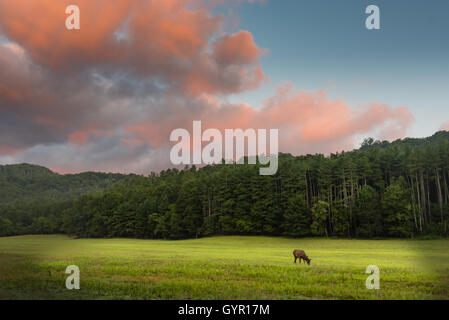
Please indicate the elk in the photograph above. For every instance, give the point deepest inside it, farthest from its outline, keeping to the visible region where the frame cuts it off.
(300, 254)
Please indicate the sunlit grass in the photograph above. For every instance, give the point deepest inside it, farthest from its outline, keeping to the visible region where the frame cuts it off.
(222, 268)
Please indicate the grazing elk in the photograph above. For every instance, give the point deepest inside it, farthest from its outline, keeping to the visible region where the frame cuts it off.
(300, 254)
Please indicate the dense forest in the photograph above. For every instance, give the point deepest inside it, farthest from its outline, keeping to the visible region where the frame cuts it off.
(383, 189)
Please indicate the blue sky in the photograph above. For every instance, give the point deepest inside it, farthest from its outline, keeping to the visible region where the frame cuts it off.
(324, 44)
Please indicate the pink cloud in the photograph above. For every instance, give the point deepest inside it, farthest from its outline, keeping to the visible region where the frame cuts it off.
(81, 137)
(163, 39)
(10, 150)
(238, 48)
(309, 122)
(445, 126)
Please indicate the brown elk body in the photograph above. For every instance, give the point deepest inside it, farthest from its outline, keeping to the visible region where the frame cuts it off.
(301, 255)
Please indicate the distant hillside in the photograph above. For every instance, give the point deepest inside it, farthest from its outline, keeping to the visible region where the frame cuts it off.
(21, 183)
(24, 171)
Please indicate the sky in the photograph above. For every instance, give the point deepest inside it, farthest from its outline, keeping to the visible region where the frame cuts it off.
(323, 44)
(107, 96)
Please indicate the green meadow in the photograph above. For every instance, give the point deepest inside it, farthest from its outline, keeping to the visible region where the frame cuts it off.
(231, 267)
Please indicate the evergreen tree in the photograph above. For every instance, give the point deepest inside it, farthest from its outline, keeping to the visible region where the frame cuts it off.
(297, 217)
(397, 210)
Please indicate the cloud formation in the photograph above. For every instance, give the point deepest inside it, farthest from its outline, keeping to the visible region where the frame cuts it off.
(445, 126)
(308, 122)
(107, 96)
(162, 40)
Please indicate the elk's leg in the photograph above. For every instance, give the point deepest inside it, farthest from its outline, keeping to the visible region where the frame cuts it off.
(295, 259)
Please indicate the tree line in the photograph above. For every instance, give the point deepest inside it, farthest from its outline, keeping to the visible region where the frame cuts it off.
(383, 189)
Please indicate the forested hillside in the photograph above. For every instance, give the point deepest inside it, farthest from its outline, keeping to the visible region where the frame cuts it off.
(23, 182)
(29, 195)
(398, 189)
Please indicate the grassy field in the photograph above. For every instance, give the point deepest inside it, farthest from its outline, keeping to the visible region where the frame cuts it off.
(33, 267)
